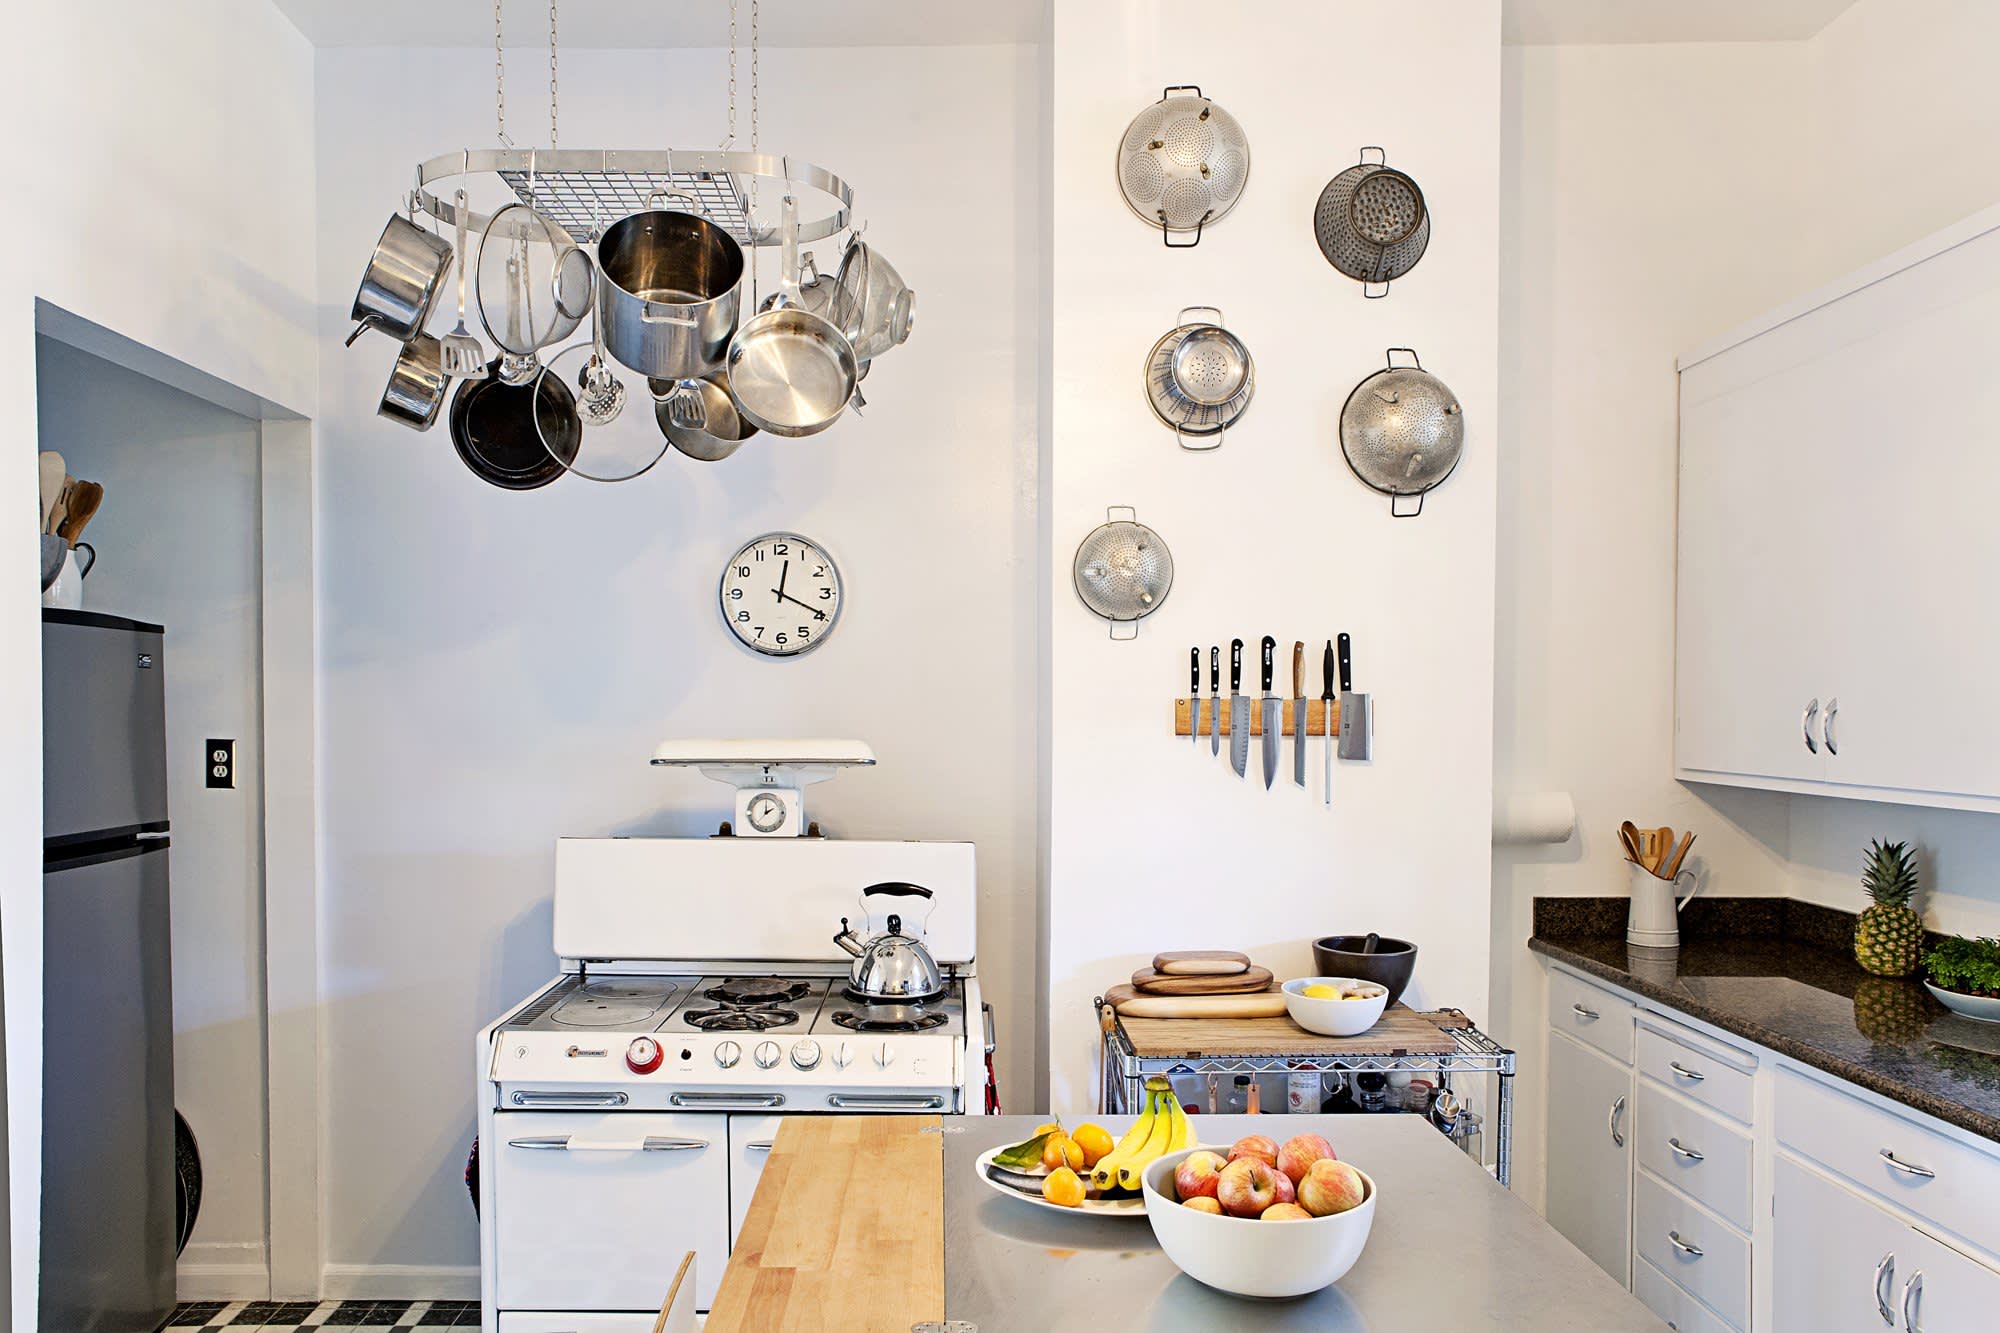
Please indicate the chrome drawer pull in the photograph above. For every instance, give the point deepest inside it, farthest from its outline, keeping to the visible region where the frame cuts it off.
(1587, 1015)
(761, 1145)
(728, 1101)
(1907, 1168)
(565, 1143)
(570, 1099)
(889, 1102)
(1885, 1276)
(1913, 1290)
(1688, 1074)
(1617, 1109)
(1687, 1153)
(1691, 1251)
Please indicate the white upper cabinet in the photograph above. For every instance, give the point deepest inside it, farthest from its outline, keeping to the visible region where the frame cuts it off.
(1839, 543)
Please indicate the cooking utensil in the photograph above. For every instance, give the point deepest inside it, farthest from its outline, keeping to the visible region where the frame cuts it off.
(1391, 963)
(1214, 701)
(460, 355)
(1356, 734)
(533, 284)
(1153, 982)
(1299, 727)
(1131, 1002)
(1239, 712)
(1661, 848)
(1182, 164)
(669, 291)
(1273, 714)
(1402, 431)
(401, 282)
(59, 512)
(723, 428)
(597, 440)
(1635, 850)
(416, 385)
(1372, 223)
(1672, 869)
(50, 471)
(891, 966)
(498, 429)
(1201, 963)
(1327, 701)
(1216, 359)
(886, 308)
(1194, 695)
(82, 501)
(791, 372)
(1123, 571)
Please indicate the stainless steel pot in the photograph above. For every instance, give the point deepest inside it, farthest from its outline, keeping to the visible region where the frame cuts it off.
(722, 431)
(892, 967)
(401, 282)
(669, 293)
(416, 384)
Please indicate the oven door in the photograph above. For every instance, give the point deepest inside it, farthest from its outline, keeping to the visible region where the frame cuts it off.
(593, 1210)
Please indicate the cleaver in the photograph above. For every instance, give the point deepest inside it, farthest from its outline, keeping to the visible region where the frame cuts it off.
(1356, 727)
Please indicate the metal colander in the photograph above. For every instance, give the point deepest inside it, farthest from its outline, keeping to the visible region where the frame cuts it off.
(1402, 431)
(1210, 364)
(1372, 223)
(1123, 571)
(1183, 163)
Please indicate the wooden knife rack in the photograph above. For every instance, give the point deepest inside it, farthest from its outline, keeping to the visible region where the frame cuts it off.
(1200, 717)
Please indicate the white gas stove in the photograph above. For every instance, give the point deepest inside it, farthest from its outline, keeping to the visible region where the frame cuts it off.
(625, 1108)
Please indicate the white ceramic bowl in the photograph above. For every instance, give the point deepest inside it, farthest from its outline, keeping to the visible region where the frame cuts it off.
(1972, 1006)
(1334, 1018)
(1248, 1256)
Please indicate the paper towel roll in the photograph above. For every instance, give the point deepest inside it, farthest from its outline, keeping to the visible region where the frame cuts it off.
(1530, 817)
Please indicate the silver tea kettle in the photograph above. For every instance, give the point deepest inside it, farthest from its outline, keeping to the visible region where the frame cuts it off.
(891, 968)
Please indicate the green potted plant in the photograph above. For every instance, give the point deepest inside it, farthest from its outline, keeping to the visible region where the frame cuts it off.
(1889, 937)
(1965, 976)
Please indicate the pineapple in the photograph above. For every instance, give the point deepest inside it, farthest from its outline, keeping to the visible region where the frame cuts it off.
(1889, 936)
(1895, 1013)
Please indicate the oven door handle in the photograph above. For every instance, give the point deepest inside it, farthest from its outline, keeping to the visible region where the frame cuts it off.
(728, 1101)
(760, 1145)
(570, 1099)
(887, 1102)
(567, 1143)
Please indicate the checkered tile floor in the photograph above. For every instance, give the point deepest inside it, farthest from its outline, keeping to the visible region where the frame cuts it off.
(325, 1317)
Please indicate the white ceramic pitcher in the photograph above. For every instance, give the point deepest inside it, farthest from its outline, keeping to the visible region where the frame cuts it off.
(1654, 919)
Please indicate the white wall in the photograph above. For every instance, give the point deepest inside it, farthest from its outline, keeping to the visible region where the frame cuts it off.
(1155, 846)
(162, 158)
(177, 542)
(497, 667)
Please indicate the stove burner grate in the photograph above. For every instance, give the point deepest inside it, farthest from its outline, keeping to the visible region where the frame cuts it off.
(891, 1021)
(757, 990)
(740, 1020)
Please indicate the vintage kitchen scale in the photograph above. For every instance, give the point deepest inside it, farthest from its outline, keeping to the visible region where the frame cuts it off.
(770, 777)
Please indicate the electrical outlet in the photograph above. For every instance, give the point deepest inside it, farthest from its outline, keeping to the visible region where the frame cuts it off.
(220, 758)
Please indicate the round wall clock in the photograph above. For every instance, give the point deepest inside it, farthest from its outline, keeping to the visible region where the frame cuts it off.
(780, 595)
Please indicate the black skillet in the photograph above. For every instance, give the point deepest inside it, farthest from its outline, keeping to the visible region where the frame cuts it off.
(494, 433)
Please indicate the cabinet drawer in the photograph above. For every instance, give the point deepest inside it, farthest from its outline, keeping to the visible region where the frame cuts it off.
(554, 1321)
(1698, 1068)
(1703, 1256)
(1591, 1014)
(1698, 1153)
(1948, 1183)
(1669, 1302)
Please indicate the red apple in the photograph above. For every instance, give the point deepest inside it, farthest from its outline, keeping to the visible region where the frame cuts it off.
(1331, 1187)
(1205, 1204)
(1195, 1177)
(1286, 1212)
(1287, 1192)
(1246, 1187)
(1260, 1146)
(1301, 1151)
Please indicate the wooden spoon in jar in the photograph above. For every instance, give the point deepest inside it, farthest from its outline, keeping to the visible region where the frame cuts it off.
(84, 497)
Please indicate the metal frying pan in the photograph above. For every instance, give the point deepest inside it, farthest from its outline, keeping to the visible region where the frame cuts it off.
(499, 429)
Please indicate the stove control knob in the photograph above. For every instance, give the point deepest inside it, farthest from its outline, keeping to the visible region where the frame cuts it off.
(727, 1053)
(767, 1054)
(644, 1055)
(885, 1057)
(843, 1056)
(805, 1054)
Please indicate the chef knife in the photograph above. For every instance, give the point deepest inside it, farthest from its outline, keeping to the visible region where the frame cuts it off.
(1299, 727)
(1327, 702)
(1274, 715)
(1353, 709)
(1215, 701)
(1239, 711)
(1194, 696)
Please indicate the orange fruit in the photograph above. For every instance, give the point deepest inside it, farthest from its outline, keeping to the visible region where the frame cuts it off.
(1063, 1187)
(1095, 1140)
(1062, 1151)
(1047, 1127)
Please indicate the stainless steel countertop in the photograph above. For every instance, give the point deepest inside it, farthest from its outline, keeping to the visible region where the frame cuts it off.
(1450, 1249)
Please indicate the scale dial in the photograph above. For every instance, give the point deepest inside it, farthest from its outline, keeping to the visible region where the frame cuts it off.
(780, 595)
(766, 812)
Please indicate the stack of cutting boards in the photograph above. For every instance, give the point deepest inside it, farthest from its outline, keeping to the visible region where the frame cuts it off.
(1199, 983)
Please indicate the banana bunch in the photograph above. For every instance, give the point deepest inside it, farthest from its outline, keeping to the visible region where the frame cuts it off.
(1162, 1128)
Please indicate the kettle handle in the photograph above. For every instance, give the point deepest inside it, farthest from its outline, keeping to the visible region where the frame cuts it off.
(897, 889)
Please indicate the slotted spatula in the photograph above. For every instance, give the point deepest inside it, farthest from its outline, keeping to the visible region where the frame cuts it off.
(460, 355)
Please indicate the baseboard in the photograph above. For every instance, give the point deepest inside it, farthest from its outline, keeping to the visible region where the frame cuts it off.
(398, 1282)
(222, 1272)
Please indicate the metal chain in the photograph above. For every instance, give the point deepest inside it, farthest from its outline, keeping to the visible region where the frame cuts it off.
(499, 78)
(730, 141)
(753, 75)
(552, 73)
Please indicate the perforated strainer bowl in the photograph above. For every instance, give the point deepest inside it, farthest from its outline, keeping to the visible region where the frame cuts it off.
(1183, 163)
(1199, 378)
(1402, 431)
(1372, 223)
(1123, 571)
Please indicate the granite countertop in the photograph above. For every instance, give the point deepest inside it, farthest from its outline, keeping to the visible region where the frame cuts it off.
(1782, 974)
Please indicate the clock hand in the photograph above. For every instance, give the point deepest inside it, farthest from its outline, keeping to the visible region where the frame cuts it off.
(783, 571)
(817, 613)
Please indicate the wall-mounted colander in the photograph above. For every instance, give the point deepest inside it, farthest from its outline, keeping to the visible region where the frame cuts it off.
(1372, 223)
(1199, 378)
(1182, 164)
(1402, 431)
(1123, 571)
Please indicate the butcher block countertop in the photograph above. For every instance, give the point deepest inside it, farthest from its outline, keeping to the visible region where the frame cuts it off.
(845, 1232)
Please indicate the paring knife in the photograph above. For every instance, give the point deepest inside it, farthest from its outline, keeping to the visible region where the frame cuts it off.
(1299, 727)
(1239, 712)
(1354, 738)
(1327, 701)
(1215, 701)
(1274, 714)
(1194, 696)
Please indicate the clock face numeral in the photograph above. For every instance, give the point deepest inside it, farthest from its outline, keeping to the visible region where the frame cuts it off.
(789, 579)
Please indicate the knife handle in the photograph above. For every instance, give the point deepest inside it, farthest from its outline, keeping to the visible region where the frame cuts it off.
(1215, 671)
(1346, 665)
(1270, 660)
(1298, 668)
(1236, 666)
(1326, 672)
(1194, 671)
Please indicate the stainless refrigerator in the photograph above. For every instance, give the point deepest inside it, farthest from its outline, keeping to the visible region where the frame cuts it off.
(108, 1228)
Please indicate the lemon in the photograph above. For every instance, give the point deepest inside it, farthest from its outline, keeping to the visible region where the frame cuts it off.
(1321, 991)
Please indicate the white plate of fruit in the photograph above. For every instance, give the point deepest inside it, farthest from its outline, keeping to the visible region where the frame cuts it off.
(1085, 1171)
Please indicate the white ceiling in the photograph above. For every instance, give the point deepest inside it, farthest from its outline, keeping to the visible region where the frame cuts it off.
(653, 24)
(1584, 22)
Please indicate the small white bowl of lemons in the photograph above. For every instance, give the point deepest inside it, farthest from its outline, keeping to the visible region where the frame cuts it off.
(1335, 1006)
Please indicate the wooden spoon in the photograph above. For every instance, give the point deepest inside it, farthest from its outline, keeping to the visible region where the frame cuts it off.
(1629, 835)
(1673, 869)
(52, 470)
(82, 501)
(1663, 847)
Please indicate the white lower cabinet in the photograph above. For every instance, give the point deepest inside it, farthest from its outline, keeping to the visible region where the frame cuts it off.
(1590, 1153)
(1704, 1256)
(1681, 1311)
(539, 1321)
